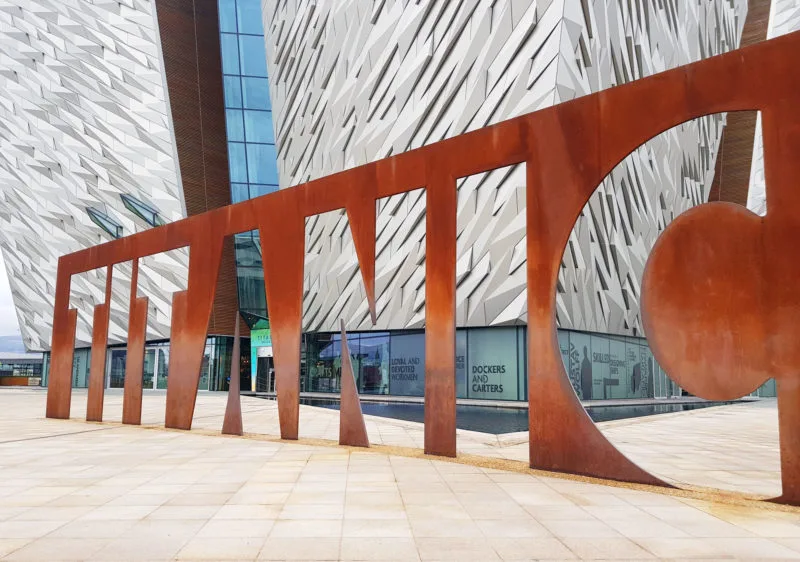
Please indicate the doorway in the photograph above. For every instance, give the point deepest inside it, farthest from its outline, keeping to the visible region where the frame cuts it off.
(265, 375)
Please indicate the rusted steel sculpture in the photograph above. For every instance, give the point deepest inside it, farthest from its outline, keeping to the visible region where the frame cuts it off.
(97, 369)
(134, 360)
(232, 424)
(568, 149)
(352, 430)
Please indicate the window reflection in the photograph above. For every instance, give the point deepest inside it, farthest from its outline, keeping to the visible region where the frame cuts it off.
(258, 126)
(237, 162)
(227, 16)
(255, 93)
(261, 166)
(230, 53)
(252, 56)
(249, 19)
(234, 126)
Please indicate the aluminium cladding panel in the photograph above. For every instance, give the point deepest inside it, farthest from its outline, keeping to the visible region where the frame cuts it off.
(84, 118)
(784, 18)
(355, 81)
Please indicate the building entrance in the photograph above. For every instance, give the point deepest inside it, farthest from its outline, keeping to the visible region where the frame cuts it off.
(265, 375)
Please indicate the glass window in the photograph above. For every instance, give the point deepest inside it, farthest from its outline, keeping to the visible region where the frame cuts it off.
(251, 289)
(255, 93)
(247, 252)
(233, 91)
(230, 54)
(617, 385)
(227, 16)
(144, 211)
(105, 222)
(233, 121)
(371, 362)
(252, 55)
(407, 371)
(206, 367)
(250, 17)
(461, 363)
(239, 192)
(567, 351)
(116, 368)
(258, 126)
(262, 164)
(163, 366)
(639, 366)
(257, 190)
(81, 360)
(580, 356)
(237, 162)
(492, 364)
(324, 361)
(601, 375)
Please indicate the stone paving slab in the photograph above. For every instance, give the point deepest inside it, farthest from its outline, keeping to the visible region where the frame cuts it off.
(76, 491)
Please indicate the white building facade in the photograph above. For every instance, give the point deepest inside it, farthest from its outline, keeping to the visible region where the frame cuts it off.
(356, 81)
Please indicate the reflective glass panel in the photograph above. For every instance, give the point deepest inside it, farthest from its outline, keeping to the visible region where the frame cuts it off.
(81, 359)
(257, 190)
(230, 54)
(371, 362)
(149, 369)
(262, 163)
(239, 192)
(324, 361)
(237, 162)
(233, 91)
(258, 126)
(407, 365)
(163, 367)
(205, 368)
(255, 93)
(250, 17)
(461, 364)
(580, 360)
(227, 16)
(235, 128)
(116, 367)
(252, 55)
(601, 375)
(492, 364)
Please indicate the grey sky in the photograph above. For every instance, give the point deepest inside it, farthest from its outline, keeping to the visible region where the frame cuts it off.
(8, 316)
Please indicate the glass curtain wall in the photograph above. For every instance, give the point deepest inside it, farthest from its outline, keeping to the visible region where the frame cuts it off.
(251, 138)
(491, 364)
(213, 369)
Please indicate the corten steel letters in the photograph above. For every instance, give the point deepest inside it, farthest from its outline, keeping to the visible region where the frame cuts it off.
(721, 316)
(352, 430)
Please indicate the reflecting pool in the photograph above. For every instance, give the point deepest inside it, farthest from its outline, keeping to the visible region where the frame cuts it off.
(497, 420)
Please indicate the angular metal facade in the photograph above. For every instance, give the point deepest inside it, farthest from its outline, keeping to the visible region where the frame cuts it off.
(356, 81)
(84, 119)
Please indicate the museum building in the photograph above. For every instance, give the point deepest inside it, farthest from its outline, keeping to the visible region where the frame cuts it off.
(119, 117)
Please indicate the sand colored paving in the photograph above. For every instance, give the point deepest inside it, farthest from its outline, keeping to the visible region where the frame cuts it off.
(76, 491)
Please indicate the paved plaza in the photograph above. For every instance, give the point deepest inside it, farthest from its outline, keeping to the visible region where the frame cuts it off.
(71, 490)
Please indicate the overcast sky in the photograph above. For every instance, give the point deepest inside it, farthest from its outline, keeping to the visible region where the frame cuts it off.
(8, 316)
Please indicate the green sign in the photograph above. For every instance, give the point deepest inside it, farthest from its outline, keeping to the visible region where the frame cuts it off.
(258, 339)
